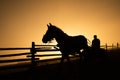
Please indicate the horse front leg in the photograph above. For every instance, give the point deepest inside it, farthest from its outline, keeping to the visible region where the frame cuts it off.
(62, 59)
(65, 56)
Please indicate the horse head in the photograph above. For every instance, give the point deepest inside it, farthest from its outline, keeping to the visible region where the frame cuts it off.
(49, 35)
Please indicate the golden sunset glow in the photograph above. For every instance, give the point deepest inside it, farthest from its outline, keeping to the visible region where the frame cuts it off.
(24, 21)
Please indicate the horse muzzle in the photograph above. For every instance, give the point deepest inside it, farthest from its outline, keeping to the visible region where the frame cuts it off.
(44, 41)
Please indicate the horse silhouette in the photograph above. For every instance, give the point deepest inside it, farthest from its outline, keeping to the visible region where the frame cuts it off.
(67, 44)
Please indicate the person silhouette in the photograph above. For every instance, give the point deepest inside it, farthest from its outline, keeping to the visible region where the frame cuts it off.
(98, 54)
(95, 43)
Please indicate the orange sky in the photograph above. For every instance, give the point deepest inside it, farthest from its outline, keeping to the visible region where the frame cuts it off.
(24, 21)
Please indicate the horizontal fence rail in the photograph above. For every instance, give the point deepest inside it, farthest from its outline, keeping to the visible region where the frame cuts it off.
(11, 55)
(46, 45)
(15, 48)
(38, 50)
(45, 55)
(16, 60)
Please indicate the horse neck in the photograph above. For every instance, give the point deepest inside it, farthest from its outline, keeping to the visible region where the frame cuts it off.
(61, 38)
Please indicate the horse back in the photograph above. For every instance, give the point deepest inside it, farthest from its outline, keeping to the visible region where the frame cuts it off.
(76, 42)
(79, 40)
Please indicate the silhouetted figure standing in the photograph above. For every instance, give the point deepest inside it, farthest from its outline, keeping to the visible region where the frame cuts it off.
(95, 43)
(95, 55)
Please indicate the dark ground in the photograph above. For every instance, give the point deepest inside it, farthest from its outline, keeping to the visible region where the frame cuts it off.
(67, 71)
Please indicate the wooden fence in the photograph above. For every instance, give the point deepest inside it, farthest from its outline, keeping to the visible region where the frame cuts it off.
(110, 47)
(31, 56)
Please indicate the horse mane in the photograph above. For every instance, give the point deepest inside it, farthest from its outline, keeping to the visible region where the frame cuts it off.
(58, 30)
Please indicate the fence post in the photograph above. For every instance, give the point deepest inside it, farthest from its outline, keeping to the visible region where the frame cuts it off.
(117, 45)
(33, 51)
(106, 46)
(112, 46)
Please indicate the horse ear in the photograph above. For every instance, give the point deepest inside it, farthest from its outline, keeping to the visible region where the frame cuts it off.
(50, 24)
